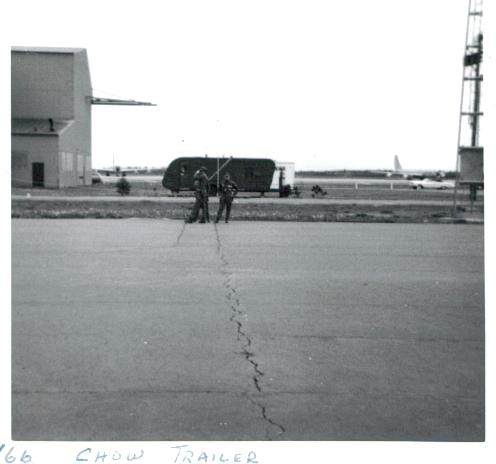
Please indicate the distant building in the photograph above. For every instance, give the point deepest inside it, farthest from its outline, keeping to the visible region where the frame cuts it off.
(51, 117)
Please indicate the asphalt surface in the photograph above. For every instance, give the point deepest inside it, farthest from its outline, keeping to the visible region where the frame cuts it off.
(155, 330)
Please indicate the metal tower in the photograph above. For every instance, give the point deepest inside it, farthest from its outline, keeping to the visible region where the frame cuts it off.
(469, 153)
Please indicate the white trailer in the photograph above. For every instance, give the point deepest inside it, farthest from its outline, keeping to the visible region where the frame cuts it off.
(287, 171)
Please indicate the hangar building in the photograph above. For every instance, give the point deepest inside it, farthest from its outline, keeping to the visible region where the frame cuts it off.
(51, 117)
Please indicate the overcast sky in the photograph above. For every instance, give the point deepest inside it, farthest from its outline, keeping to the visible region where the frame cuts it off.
(325, 84)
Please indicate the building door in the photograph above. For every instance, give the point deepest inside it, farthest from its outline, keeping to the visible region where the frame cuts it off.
(38, 174)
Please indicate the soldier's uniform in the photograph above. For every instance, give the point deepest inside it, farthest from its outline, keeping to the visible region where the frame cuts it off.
(228, 190)
(200, 182)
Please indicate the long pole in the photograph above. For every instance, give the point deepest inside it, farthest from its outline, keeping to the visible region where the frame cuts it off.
(455, 193)
(475, 121)
(217, 174)
(219, 169)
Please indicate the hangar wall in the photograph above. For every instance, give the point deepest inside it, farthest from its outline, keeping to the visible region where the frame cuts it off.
(27, 150)
(81, 136)
(42, 85)
(74, 163)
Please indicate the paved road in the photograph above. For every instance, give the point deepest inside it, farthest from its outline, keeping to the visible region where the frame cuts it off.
(153, 330)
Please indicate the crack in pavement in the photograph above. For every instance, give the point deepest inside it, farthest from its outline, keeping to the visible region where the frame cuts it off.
(242, 336)
(183, 228)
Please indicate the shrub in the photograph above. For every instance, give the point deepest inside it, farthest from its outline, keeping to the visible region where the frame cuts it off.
(123, 186)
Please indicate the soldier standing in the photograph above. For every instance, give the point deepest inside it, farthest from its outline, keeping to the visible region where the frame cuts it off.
(228, 190)
(200, 182)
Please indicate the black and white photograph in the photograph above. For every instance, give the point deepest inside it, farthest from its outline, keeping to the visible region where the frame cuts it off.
(239, 229)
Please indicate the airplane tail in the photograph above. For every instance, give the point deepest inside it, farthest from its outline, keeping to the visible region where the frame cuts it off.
(397, 165)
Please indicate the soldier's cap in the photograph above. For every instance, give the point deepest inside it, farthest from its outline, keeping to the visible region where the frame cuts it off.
(203, 168)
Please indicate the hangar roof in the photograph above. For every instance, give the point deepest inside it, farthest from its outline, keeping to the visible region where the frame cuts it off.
(63, 50)
(38, 126)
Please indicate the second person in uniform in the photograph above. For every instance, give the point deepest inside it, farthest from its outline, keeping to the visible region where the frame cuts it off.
(228, 190)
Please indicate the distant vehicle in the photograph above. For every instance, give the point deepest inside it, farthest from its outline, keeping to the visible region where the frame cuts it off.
(437, 184)
(105, 176)
(250, 174)
(112, 175)
(96, 178)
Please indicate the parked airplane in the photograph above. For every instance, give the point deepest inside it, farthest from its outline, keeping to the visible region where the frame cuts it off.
(413, 174)
(117, 171)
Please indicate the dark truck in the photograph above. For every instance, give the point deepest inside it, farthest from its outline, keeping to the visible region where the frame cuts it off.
(250, 174)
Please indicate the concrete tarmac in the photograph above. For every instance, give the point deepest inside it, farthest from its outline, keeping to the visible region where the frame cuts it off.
(156, 330)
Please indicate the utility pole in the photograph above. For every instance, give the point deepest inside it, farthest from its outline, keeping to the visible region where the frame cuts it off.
(477, 78)
(469, 153)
